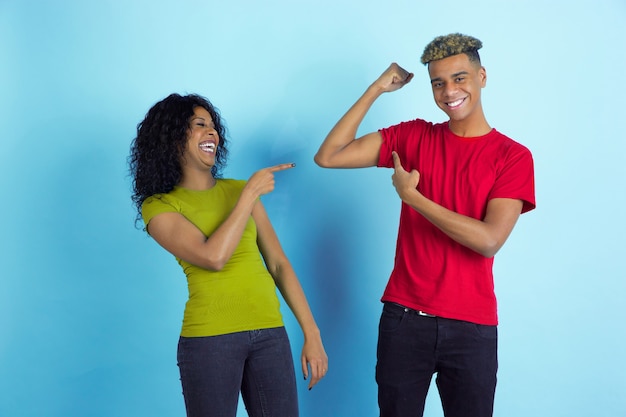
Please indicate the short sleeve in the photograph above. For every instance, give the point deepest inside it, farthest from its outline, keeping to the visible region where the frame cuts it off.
(387, 146)
(157, 204)
(402, 138)
(516, 179)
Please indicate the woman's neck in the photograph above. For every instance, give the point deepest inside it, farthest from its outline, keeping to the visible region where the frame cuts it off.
(197, 182)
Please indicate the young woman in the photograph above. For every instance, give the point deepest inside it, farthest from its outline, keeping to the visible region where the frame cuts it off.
(232, 339)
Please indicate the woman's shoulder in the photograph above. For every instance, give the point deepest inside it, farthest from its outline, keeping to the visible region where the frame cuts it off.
(232, 182)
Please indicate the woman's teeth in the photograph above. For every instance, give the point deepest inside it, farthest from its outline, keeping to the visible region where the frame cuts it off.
(207, 147)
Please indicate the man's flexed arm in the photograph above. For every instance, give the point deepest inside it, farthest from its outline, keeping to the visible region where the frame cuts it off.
(484, 236)
(341, 149)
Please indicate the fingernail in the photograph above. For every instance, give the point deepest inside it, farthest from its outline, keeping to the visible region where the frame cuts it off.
(293, 164)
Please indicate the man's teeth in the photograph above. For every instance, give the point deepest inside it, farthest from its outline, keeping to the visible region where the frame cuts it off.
(455, 103)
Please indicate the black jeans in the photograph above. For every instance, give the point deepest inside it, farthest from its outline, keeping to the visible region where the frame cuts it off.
(257, 363)
(411, 348)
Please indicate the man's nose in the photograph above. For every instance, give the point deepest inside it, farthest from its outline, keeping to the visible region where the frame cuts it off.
(450, 89)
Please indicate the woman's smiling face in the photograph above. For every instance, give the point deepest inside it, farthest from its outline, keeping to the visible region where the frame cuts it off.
(202, 141)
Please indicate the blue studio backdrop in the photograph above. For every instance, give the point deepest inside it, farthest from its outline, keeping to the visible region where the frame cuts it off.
(90, 307)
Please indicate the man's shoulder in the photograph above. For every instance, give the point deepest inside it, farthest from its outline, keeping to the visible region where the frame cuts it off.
(415, 125)
(417, 122)
(508, 142)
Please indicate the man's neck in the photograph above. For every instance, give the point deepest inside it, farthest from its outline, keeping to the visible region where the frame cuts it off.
(469, 128)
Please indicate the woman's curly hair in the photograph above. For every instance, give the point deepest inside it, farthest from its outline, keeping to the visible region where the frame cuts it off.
(156, 151)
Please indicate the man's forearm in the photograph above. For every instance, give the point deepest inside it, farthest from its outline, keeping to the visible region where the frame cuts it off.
(483, 236)
(344, 132)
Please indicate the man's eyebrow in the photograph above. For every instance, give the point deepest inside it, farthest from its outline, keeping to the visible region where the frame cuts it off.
(456, 74)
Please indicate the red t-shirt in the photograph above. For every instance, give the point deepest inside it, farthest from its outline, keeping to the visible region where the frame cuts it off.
(432, 272)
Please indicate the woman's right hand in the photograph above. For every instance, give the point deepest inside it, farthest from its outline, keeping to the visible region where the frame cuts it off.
(262, 182)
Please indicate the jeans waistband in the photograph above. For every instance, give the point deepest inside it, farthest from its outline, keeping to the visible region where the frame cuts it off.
(411, 310)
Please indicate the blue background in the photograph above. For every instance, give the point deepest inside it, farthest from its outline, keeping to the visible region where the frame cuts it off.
(90, 307)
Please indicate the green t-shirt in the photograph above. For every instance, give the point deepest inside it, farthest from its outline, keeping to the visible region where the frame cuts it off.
(242, 296)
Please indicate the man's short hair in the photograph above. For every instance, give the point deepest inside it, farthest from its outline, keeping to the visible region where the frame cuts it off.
(453, 44)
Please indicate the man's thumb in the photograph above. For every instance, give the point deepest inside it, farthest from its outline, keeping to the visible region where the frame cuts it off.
(396, 160)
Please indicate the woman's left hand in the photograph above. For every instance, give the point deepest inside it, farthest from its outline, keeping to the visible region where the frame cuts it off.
(314, 361)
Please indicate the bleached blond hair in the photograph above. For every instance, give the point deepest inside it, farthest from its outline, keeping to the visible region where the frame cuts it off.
(453, 44)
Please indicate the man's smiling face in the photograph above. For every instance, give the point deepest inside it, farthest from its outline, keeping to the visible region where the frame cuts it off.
(457, 82)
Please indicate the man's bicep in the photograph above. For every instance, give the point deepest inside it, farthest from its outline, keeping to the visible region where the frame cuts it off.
(360, 153)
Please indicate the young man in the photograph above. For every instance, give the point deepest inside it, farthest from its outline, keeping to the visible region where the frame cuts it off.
(463, 186)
